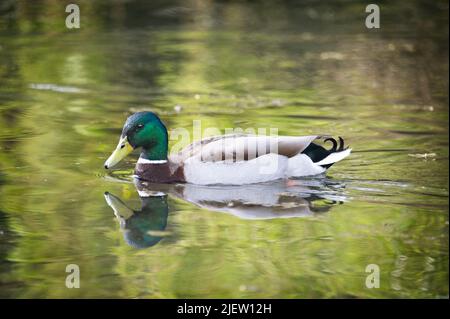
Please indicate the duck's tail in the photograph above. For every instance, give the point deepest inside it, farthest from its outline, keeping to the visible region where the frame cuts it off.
(325, 158)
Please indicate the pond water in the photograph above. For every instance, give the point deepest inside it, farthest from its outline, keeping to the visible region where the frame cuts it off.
(304, 69)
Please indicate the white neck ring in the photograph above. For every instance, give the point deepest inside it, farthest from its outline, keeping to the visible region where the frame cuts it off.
(147, 161)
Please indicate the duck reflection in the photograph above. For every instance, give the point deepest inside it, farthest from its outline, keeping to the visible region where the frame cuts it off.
(141, 228)
(282, 199)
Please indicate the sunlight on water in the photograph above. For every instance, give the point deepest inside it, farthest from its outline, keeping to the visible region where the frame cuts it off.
(64, 96)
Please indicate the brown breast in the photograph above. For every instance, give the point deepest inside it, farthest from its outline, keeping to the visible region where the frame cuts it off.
(160, 173)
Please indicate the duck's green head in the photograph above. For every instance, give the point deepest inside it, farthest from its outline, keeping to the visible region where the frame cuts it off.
(141, 130)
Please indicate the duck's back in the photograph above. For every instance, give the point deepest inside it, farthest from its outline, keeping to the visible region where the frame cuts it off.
(245, 159)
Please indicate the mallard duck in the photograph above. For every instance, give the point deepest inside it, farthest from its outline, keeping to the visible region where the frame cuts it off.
(233, 159)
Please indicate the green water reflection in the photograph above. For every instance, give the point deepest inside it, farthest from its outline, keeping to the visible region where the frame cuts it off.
(304, 68)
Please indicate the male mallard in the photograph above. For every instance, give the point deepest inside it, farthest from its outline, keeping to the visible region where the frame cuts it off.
(234, 159)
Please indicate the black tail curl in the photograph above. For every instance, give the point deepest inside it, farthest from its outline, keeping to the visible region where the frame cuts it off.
(317, 153)
(335, 147)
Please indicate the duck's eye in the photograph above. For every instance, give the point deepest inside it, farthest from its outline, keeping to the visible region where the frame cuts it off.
(139, 127)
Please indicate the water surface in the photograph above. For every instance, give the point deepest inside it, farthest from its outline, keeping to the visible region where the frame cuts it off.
(304, 69)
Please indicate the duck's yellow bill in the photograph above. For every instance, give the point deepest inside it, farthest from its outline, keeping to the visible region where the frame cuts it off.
(122, 150)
